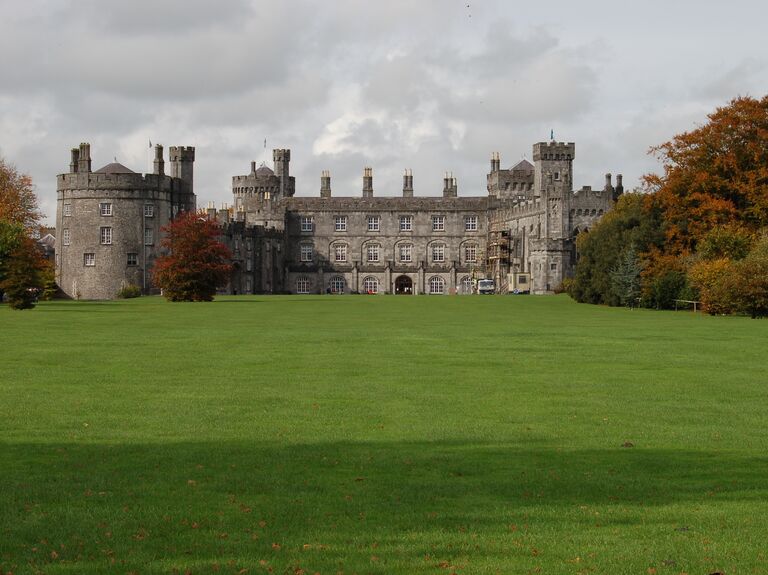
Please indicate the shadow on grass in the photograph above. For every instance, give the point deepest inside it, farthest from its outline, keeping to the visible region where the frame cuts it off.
(328, 505)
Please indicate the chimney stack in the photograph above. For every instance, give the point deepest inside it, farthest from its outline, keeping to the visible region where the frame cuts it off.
(368, 182)
(408, 184)
(325, 184)
(159, 163)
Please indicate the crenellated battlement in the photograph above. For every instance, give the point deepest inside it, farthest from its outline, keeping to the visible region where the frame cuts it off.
(554, 151)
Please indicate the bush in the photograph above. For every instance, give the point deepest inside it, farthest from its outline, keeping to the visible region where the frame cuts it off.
(717, 284)
(129, 291)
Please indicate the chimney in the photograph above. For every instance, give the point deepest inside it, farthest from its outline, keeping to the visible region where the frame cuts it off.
(619, 187)
(253, 167)
(325, 184)
(368, 182)
(159, 163)
(84, 159)
(408, 184)
(449, 186)
(608, 184)
(495, 162)
(74, 161)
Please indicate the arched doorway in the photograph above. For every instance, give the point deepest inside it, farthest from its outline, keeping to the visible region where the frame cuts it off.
(403, 285)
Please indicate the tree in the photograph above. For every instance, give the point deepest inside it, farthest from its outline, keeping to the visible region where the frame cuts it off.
(630, 222)
(18, 203)
(751, 280)
(197, 262)
(625, 277)
(19, 217)
(716, 175)
(23, 280)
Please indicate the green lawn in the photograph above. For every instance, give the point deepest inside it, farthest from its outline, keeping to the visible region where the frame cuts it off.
(354, 434)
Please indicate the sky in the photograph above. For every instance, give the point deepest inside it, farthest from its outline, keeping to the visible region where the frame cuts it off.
(429, 85)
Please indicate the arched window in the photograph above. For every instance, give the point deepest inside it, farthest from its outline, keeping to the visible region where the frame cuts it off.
(370, 285)
(302, 284)
(336, 284)
(466, 285)
(436, 285)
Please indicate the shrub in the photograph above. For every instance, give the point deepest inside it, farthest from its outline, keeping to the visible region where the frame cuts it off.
(129, 291)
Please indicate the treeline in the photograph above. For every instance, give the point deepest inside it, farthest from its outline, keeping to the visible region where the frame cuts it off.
(697, 232)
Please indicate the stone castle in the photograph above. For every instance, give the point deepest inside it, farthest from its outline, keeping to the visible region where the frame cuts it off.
(521, 234)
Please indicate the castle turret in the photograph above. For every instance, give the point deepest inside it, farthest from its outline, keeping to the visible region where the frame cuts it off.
(408, 184)
(325, 184)
(368, 182)
(282, 160)
(608, 184)
(159, 162)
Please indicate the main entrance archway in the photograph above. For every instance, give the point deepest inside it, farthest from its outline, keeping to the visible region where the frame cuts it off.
(403, 285)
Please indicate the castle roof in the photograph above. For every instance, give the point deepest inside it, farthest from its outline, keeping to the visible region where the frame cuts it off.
(264, 171)
(114, 168)
(523, 165)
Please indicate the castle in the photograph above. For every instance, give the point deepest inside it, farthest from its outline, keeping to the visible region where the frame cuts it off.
(521, 234)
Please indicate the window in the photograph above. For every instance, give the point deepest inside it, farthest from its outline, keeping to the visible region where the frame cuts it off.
(522, 279)
(436, 285)
(306, 223)
(374, 223)
(306, 252)
(405, 252)
(340, 223)
(65, 237)
(370, 285)
(248, 285)
(106, 236)
(438, 253)
(248, 264)
(302, 284)
(105, 208)
(557, 176)
(340, 252)
(470, 253)
(149, 237)
(466, 285)
(133, 259)
(372, 253)
(470, 223)
(89, 259)
(67, 209)
(336, 284)
(438, 223)
(248, 244)
(406, 223)
(553, 267)
(149, 210)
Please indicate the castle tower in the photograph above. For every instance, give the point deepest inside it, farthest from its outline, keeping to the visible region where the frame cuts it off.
(282, 161)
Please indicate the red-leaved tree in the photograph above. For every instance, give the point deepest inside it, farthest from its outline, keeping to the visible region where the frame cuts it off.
(197, 262)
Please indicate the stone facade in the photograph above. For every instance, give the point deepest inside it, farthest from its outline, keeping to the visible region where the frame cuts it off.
(108, 221)
(521, 234)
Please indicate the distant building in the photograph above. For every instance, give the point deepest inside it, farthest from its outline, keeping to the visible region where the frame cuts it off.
(521, 234)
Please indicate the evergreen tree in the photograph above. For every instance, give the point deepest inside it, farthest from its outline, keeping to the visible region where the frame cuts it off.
(625, 277)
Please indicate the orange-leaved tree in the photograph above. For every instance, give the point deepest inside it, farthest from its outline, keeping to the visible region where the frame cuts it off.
(714, 176)
(196, 263)
(20, 261)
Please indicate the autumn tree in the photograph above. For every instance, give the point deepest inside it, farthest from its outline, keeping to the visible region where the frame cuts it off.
(715, 175)
(196, 263)
(19, 217)
(751, 280)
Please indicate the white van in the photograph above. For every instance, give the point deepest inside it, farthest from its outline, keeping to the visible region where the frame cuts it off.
(486, 287)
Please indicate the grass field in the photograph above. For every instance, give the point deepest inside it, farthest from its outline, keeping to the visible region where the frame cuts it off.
(319, 434)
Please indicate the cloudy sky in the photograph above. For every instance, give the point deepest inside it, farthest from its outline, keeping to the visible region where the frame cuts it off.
(431, 85)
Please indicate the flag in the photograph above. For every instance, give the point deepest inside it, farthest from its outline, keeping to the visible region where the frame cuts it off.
(265, 143)
(150, 143)
(551, 134)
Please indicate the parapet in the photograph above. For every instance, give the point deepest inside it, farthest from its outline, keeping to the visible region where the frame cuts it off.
(554, 151)
(181, 153)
